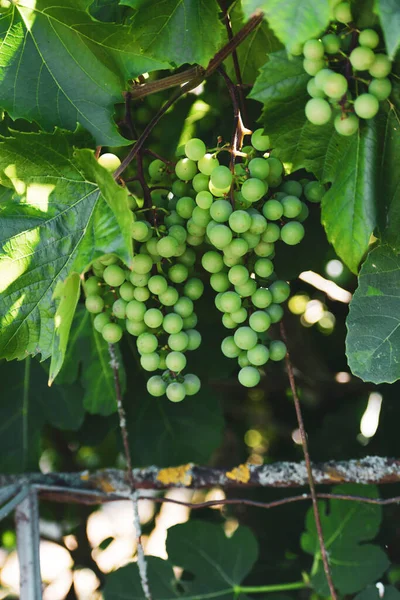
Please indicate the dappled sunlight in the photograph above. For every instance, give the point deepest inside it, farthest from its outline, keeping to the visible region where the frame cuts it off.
(11, 172)
(370, 419)
(37, 195)
(17, 256)
(331, 289)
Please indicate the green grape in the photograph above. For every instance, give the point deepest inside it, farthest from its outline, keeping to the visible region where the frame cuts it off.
(220, 282)
(230, 302)
(238, 247)
(247, 289)
(169, 297)
(157, 169)
(362, 58)
(313, 90)
(380, 88)
(195, 149)
(220, 211)
(280, 291)
(239, 221)
(172, 323)
(260, 141)
(331, 43)
(258, 355)
(141, 293)
(92, 286)
(135, 327)
(194, 339)
(184, 307)
(342, 13)
(272, 210)
(366, 106)
(180, 188)
(313, 66)
(135, 310)
(147, 343)
(114, 276)
(100, 320)
(314, 191)
(228, 322)
(322, 77)
(207, 164)
(159, 198)
(140, 231)
(194, 240)
(119, 308)
(229, 348)
(190, 322)
(243, 361)
(239, 316)
(201, 217)
(259, 168)
(150, 362)
(167, 246)
(304, 212)
(188, 258)
(275, 312)
(151, 248)
(259, 321)
(153, 318)
(335, 85)
(272, 233)
(245, 338)
(368, 38)
(277, 350)
(157, 284)
(94, 304)
(194, 231)
(212, 261)
(263, 267)
(178, 341)
(204, 200)
(258, 224)
(291, 206)
(176, 392)
(292, 188)
(221, 177)
(176, 361)
(346, 125)
(318, 111)
(139, 279)
(220, 236)
(249, 376)
(275, 166)
(109, 161)
(313, 49)
(178, 273)
(156, 386)
(185, 207)
(112, 333)
(261, 298)
(178, 232)
(193, 288)
(264, 249)
(238, 275)
(185, 169)
(191, 384)
(173, 219)
(254, 189)
(232, 261)
(381, 67)
(141, 263)
(296, 49)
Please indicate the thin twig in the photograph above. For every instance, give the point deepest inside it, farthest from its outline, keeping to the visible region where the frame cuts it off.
(311, 482)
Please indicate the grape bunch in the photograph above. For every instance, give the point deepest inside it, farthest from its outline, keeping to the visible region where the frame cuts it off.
(348, 77)
(206, 221)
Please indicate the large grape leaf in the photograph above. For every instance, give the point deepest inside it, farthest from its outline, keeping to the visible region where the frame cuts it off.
(59, 225)
(217, 564)
(373, 323)
(59, 66)
(354, 565)
(293, 22)
(373, 593)
(349, 207)
(26, 404)
(389, 14)
(180, 31)
(389, 176)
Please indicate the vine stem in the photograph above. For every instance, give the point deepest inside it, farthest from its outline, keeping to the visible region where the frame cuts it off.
(279, 587)
(311, 482)
(142, 564)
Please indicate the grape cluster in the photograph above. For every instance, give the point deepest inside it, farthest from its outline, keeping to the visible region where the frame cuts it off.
(349, 78)
(205, 219)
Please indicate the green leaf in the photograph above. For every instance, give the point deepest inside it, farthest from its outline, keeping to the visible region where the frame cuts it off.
(348, 208)
(68, 294)
(180, 31)
(389, 177)
(59, 226)
(253, 52)
(293, 22)
(218, 565)
(58, 67)
(88, 355)
(389, 14)
(372, 593)
(373, 323)
(345, 526)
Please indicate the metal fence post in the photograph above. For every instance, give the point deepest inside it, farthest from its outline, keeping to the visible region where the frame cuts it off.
(28, 541)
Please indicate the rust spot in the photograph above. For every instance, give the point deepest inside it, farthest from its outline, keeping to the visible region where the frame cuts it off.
(240, 473)
(177, 475)
(334, 475)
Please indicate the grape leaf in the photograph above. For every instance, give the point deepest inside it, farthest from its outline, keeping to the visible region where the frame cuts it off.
(373, 323)
(58, 66)
(180, 31)
(348, 208)
(218, 565)
(389, 177)
(60, 225)
(372, 593)
(293, 22)
(354, 565)
(389, 14)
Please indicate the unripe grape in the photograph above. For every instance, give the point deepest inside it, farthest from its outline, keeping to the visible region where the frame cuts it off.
(261, 298)
(362, 58)
(346, 125)
(292, 233)
(188, 258)
(141, 293)
(342, 13)
(263, 267)
(249, 377)
(264, 249)
(258, 355)
(331, 43)
(112, 333)
(141, 263)
(119, 308)
(185, 169)
(172, 323)
(321, 77)
(335, 85)
(272, 233)
(156, 386)
(109, 161)
(180, 188)
(194, 340)
(259, 321)
(185, 207)
(176, 361)
(245, 338)
(380, 88)
(280, 291)
(108, 259)
(243, 361)
(157, 169)
(92, 286)
(228, 322)
(100, 321)
(238, 247)
(238, 275)
(291, 206)
(313, 49)
(275, 312)
(272, 210)
(260, 141)
(275, 166)
(230, 302)
(314, 191)
(191, 384)
(229, 348)
(313, 66)
(258, 224)
(167, 246)
(147, 343)
(220, 211)
(239, 221)
(150, 362)
(184, 307)
(176, 392)
(194, 288)
(239, 316)
(201, 217)
(157, 284)
(195, 149)
(94, 304)
(190, 322)
(221, 177)
(318, 111)
(304, 212)
(220, 282)
(207, 164)
(212, 261)
(135, 310)
(194, 231)
(178, 341)
(247, 289)
(366, 106)
(277, 350)
(313, 90)
(178, 232)
(254, 189)
(114, 276)
(381, 67)
(169, 297)
(139, 279)
(153, 318)
(259, 168)
(296, 49)
(140, 231)
(204, 200)
(135, 327)
(368, 38)
(220, 236)
(178, 273)
(291, 188)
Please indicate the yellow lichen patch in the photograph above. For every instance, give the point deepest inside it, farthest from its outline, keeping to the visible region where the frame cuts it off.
(85, 476)
(334, 475)
(240, 473)
(177, 475)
